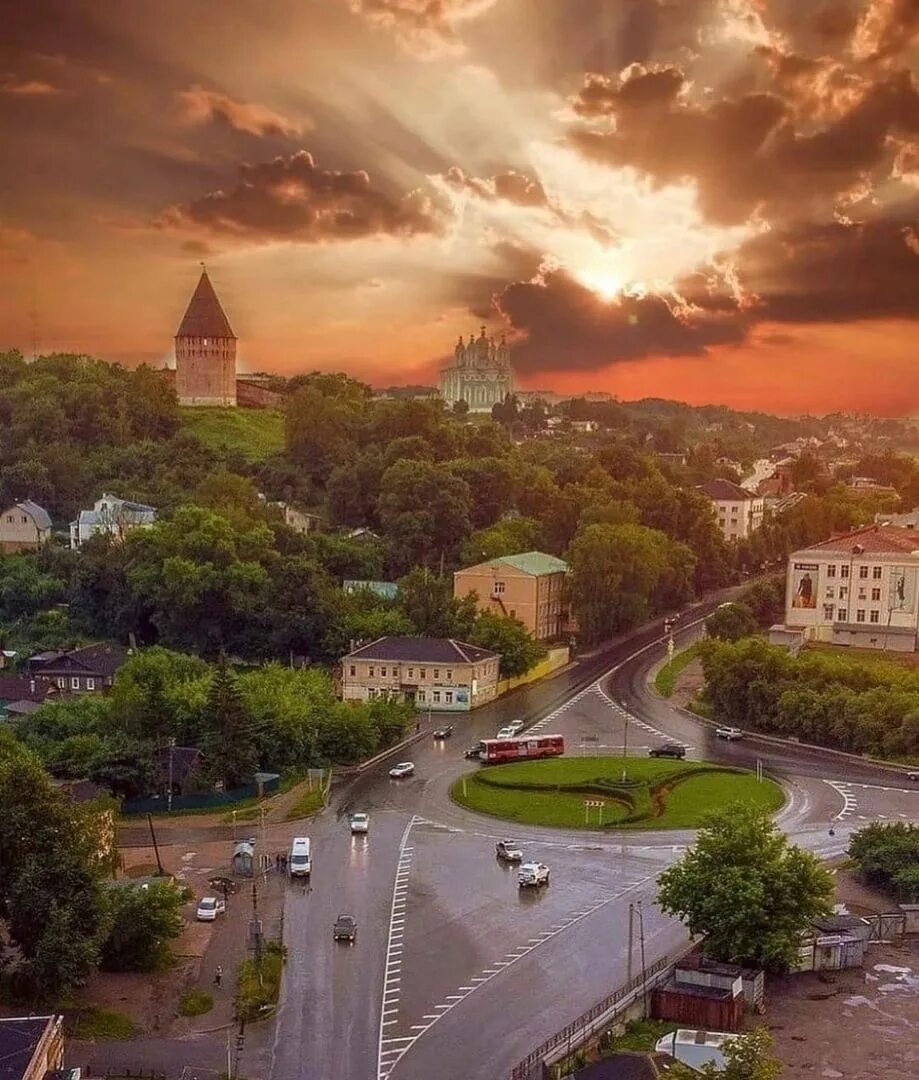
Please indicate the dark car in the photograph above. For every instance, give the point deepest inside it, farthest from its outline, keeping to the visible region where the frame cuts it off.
(443, 732)
(672, 750)
(345, 928)
(473, 751)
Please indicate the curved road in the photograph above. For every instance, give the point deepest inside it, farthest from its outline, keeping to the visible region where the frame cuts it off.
(458, 974)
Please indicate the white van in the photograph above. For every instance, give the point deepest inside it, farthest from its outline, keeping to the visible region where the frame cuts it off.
(300, 864)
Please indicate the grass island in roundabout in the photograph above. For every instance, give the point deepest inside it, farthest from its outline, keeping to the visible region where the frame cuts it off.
(590, 792)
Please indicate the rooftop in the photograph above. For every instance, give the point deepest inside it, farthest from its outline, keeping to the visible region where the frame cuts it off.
(99, 659)
(725, 491)
(204, 316)
(422, 650)
(19, 1038)
(532, 562)
(871, 540)
(38, 514)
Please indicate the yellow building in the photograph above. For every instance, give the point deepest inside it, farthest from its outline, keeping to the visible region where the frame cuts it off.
(528, 587)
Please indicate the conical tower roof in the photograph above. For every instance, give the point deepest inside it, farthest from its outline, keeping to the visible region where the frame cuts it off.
(205, 317)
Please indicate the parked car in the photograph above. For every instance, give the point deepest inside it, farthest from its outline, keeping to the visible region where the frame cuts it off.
(209, 907)
(443, 732)
(729, 733)
(404, 768)
(533, 875)
(345, 928)
(672, 750)
(360, 823)
(508, 851)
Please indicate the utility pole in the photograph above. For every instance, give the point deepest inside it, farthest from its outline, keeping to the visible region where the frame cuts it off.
(256, 932)
(172, 745)
(156, 850)
(625, 740)
(631, 942)
(644, 975)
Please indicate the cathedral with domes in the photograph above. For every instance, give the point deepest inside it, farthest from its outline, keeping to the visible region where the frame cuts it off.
(480, 374)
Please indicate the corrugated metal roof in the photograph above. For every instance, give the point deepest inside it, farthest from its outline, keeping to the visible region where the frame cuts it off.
(422, 650)
(532, 562)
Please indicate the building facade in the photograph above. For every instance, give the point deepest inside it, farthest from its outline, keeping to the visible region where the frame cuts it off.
(205, 351)
(24, 527)
(858, 589)
(31, 1047)
(739, 512)
(111, 515)
(89, 670)
(528, 587)
(480, 374)
(433, 673)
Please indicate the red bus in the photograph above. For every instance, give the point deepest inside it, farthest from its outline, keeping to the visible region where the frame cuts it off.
(524, 748)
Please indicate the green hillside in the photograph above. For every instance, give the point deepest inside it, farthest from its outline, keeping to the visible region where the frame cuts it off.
(255, 433)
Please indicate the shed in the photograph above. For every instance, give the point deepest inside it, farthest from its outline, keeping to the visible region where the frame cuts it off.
(698, 970)
(834, 942)
(244, 858)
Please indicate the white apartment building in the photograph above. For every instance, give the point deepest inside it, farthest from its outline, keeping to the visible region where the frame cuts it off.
(739, 512)
(859, 589)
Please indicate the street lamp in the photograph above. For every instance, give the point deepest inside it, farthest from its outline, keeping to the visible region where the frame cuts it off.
(625, 739)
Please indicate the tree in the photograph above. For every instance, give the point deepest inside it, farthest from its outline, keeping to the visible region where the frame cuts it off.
(142, 922)
(509, 536)
(230, 740)
(747, 1057)
(511, 640)
(731, 622)
(887, 857)
(746, 889)
(428, 601)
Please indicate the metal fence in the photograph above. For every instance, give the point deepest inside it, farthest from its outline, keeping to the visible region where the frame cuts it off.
(569, 1034)
(207, 801)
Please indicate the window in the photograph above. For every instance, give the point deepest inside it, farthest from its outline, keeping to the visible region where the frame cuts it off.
(382, 672)
(876, 572)
(513, 613)
(828, 612)
(874, 616)
(371, 671)
(831, 570)
(844, 571)
(831, 592)
(420, 695)
(875, 594)
(423, 673)
(859, 615)
(843, 592)
(436, 697)
(448, 697)
(862, 593)
(863, 571)
(90, 684)
(411, 673)
(25, 520)
(61, 682)
(498, 587)
(74, 683)
(450, 674)
(437, 673)
(371, 693)
(842, 614)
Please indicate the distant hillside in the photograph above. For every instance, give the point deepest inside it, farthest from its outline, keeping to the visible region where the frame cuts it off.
(254, 433)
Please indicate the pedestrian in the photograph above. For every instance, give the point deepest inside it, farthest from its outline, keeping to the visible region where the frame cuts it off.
(218, 976)
(277, 860)
(417, 726)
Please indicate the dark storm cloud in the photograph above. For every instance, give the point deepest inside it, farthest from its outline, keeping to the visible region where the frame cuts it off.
(886, 29)
(477, 291)
(290, 198)
(568, 327)
(745, 154)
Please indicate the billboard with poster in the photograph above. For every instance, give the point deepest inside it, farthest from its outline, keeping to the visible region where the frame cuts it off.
(902, 594)
(804, 585)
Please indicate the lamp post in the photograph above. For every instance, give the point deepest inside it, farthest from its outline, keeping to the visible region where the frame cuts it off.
(172, 744)
(625, 739)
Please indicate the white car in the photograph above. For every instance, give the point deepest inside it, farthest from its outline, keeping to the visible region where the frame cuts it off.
(533, 874)
(404, 768)
(360, 823)
(510, 730)
(209, 907)
(729, 733)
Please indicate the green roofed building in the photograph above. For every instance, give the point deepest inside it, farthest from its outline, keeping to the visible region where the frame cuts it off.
(529, 587)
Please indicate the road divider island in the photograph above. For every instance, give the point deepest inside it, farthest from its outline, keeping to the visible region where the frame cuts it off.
(612, 792)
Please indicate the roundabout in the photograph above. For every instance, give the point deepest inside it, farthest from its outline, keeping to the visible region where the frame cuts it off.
(611, 792)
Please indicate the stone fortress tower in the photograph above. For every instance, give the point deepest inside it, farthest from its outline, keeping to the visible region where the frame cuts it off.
(205, 349)
(480, 375)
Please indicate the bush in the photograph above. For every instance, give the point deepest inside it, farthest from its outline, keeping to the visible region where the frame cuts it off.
(144, 919)
(195, 1002)
(887, 857)
(252, 1000)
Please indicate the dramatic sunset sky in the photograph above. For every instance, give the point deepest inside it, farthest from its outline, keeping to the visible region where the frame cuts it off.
(713, 201)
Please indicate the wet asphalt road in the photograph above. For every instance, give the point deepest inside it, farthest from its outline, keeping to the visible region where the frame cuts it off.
(457, 974)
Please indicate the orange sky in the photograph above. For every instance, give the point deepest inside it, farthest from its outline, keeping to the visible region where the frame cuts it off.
(717, 203)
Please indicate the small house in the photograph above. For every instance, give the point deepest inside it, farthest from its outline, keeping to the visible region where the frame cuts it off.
(834, 942)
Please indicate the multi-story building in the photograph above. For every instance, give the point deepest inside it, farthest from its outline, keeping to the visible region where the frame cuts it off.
(111, 515)
(205, 350)
(739, 512)
(24, 527)
(433, 673)
(528, 587)
(858, 589)
(480, 374)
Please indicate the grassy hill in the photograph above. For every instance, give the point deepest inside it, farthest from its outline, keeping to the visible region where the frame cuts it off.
(254, 433)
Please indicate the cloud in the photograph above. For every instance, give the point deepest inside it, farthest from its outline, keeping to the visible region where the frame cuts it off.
(566, 326)
(513, 187)
(886, 29)
(200, 106)
(425, 27)
(29, 88)
(291, 198)
(745, 154)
